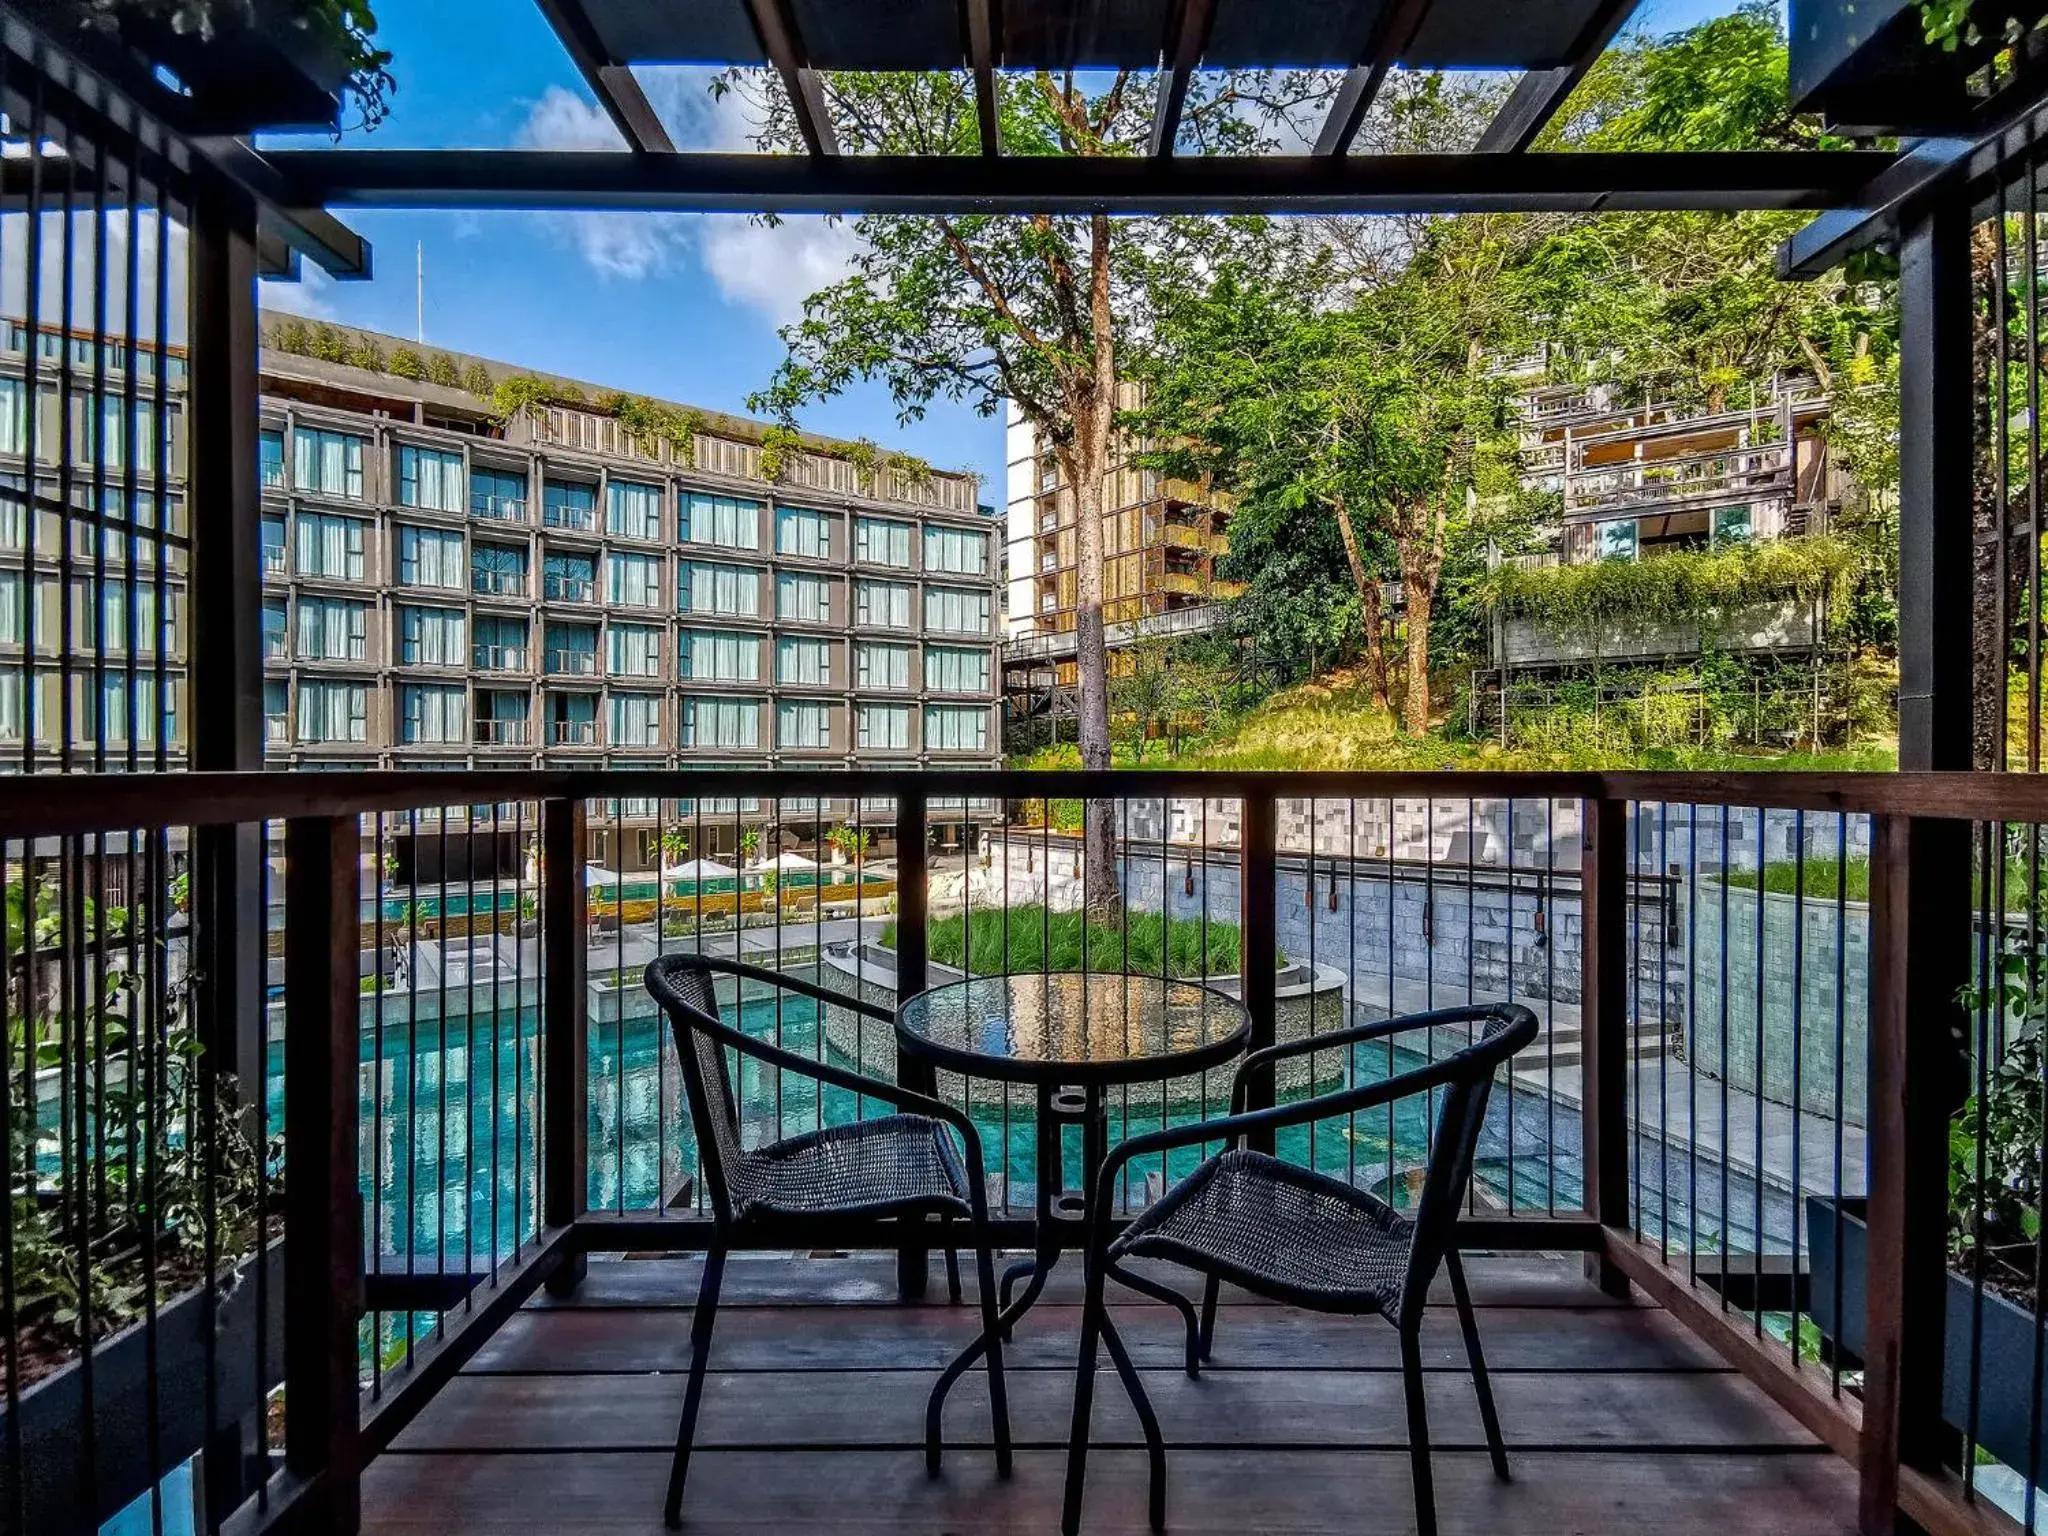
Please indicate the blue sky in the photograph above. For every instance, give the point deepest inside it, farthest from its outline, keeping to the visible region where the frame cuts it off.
(679, 306)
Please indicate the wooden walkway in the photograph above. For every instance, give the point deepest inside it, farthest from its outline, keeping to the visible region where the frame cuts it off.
(1616, 1419)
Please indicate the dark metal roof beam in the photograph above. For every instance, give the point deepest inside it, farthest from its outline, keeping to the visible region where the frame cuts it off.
(1184, 48)
(1362, 84)
(981, 59)
(1841, 232)
(806, 90)
(1539, 94)
(1585, 183)
(609, 80)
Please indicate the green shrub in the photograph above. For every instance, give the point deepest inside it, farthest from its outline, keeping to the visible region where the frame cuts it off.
(1029, 938)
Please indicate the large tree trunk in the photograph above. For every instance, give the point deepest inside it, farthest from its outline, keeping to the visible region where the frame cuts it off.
(1369, 601)
(1419, 536)
(1094, 414)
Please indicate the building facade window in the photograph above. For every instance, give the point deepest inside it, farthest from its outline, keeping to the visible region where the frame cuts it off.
(950, 669)
(273, 546)
(501, 717)
(433, 714)
(568, 504)
(636, 719)
(497, 570)
(731, 522)
(882, 604)
(569, 578)
(803, 661)
(333, 629)
(879, 665)
(880, 542)
(431, 557)
(960, 551)
(429, 478)
(331, 546)
(956, 610)
(269, 451)
(1617, 540)
(803, 599)
(497, 493)
(803, 533)
(702, 587)
(119, 724)
(500, 644)
(633, 510)
(953, 728)
(332, 711)
(884, 728)
(328, 463)
(432, 637)
(803, 725)
(721, 723)
(632, 581)
(717, 656)
(277, 712)
(275, 639)
(1733, 525)
(572, 650)
(632, 650)
(572, 719)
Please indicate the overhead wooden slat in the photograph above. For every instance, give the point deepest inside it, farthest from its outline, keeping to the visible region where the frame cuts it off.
(610, 80)
(806, 90)
(1539, 94)
(1184, 51)
(981, 59)
(1396, 29)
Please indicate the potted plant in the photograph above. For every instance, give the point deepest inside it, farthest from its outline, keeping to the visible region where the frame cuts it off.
(675, 847)
(1994, 1223)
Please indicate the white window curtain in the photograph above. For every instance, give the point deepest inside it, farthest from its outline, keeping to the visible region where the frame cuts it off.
(633, 581)
(883, 604)
(633, 510)
(330, 546)
(332, 630)
(803, 661)
(959, 550)
(803, 723)
(636, 720)
(720, 657)
(955, 611)
(950, 728)
(332, 711)
(431, 557)
(804, 599)
(328, 462)
(884, 728)
(721, 723)
(707, 588)
(432, 637)
(633, 650)
(427, 478)
(948, 669)
(802, 532)
(884, 666)
(881, 543)
(434, 714)
(728, 521)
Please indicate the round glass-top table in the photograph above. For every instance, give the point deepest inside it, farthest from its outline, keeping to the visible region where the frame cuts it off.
(1072, 1036)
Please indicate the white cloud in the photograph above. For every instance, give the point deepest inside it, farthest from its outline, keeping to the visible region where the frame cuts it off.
(308, 298)
(630, 246)
(773, 269)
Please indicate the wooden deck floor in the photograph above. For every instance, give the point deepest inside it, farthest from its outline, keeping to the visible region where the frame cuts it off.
(1616, 1420)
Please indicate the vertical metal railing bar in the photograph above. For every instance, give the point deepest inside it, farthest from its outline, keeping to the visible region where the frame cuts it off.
(1692, 1072)
(1662, 860)
(1309, 908)
(75, 1153)
(97, 616)
(1726, 1226)
(1347, 1067)
(661, 846)
(700, 850)
(2033, 898)
(1798, 1057)
(618, 996)
(151, 1042)
(519, 902)
(10, 1338)
(492, 1037)
(257, 1096)
(2000, 280)
(377, 1143)
(1763, 840)
(1632, 927)
(67, 447)
(2030, 226)
(131, 438)
(1546, 913)
(818, 938)
(32, 289)
(1429, 975)
(1393, 843)
(1508, 991)
(440, 1048)
(409, 925)
(1839, 1216)
(1471, 940)
(471, 1078)
(160, 473)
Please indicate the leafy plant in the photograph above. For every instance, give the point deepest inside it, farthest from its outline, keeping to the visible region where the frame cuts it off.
(408, 364)
(750, 843)
(1995, 1139)
(675, 846)
(777, 444)
(1029, 938)
(853, 842)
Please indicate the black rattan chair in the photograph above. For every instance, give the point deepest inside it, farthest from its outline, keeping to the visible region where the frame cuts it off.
(840, 1186)
(1301, 1237)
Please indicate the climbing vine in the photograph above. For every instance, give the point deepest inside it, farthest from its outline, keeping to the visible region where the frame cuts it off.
(777, 444)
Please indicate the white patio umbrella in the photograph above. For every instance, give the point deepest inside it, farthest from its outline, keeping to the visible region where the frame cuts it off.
(782, 861)
(697, 869)
(597, 874)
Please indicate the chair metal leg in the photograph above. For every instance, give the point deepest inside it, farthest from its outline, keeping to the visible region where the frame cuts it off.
(1418, 1434)
(1084, 1401)
(1209, 1315)
(1155, 1443)
(1470, 1324)
(1166, 1293)
(998, 1392)
(693, 1394)
(952, 1266)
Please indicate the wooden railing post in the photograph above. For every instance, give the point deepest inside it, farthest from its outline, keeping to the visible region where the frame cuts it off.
(913, 952)
(323, 1219)
(1258, 902)
(564, 1027)
(1603, 1022)
(1920, 940)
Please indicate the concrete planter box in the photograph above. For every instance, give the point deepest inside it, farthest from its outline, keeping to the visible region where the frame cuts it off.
(1307, 1004)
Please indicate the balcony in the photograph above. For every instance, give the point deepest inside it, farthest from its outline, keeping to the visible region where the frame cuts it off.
(569, 589)
(488, 583)
(503, 733)
(510, 509)
(572, 733)
(1734, 474)
(571, 663)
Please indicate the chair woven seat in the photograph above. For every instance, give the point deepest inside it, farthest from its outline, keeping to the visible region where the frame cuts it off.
(1279, 1230)
(898, 1165)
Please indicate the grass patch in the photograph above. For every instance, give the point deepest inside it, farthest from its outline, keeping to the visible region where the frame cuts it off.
(1825, 879)
(1028, 938)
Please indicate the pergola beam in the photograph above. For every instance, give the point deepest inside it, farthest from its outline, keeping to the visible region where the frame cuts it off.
(981, 60)
(746, 183)
(1539, 94)
(1361, 85)
(1184, 51)
(806, 90)
(617, 91)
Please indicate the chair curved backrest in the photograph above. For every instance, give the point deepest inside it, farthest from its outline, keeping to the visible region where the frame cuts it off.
(1467, 1083)
(684, 987)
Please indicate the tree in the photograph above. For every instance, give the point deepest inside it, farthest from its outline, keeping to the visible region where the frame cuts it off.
(1039, 311)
